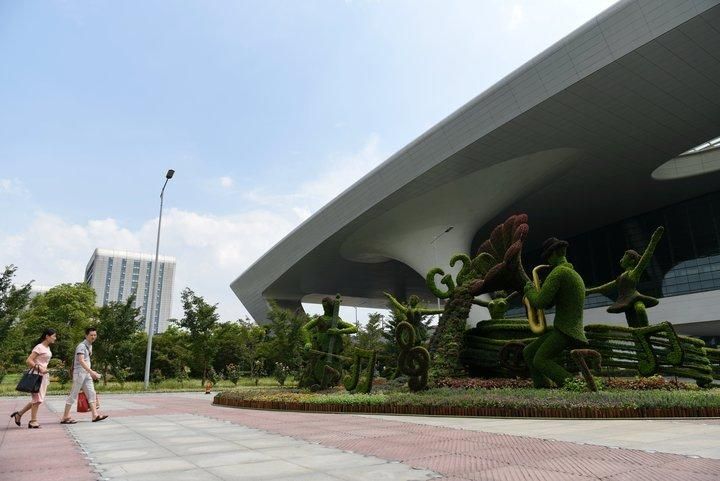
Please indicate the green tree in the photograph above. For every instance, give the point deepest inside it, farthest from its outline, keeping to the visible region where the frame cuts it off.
(13, 300)
(199, 319)
(172, 351)
(67, 308)
(117, 322)
(234, 343)
(371, 336)
(285, 337)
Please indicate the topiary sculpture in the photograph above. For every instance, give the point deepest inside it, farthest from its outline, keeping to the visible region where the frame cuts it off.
(496, 267)
(413, 360)
(565, 289)
(629, 301)
(497, 306)
(360, 379)
(324, 366)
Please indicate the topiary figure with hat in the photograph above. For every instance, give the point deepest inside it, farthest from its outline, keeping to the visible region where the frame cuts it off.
(564, 289)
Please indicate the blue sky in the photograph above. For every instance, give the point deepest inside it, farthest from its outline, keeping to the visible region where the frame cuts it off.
(265, 109)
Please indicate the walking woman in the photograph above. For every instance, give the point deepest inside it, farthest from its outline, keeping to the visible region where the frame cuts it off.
(38, 359)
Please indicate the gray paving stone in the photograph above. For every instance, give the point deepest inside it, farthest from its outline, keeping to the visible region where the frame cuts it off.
(260, 471)
(190, 475)
(211, 460)
(113, 470)
(386, 472)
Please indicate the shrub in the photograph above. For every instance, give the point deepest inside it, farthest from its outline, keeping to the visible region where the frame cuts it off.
(257, 370)
(233, 373)
(3, 373)
(280, 373)
(156, 377)
(213, 376)
(59, 370)
(119, 373)
(183, 374)
(476, 383)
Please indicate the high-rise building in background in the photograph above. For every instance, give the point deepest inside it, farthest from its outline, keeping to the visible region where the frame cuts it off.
(115, 275)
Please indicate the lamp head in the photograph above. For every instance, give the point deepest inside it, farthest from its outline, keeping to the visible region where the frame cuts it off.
(169, 174)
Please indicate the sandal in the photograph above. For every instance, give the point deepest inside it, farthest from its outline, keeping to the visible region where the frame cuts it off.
(17, 416)
(99, 418)
(33, 425)
(68, 421)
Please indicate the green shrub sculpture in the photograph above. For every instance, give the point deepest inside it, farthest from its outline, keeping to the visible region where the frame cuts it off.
(413, 360)
(629, 301)
(360, 379)
(496, 267)
(622, 352)
(324, 362)
(564, 289)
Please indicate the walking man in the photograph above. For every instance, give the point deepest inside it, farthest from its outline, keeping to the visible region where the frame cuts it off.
(83, 377)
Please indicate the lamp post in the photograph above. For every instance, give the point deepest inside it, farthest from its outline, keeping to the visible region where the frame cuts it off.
(150, 320)
(432, 243)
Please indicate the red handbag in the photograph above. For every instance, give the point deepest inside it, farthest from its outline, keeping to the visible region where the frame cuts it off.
(82, 403)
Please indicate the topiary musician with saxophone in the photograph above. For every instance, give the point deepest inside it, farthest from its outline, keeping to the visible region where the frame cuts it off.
(564, 289)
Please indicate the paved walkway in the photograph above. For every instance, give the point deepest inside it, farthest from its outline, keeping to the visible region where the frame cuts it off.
(183, 437)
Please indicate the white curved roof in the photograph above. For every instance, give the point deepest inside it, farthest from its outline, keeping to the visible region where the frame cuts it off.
(577, 129)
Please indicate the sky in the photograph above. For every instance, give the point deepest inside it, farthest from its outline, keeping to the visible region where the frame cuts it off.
(265, 109)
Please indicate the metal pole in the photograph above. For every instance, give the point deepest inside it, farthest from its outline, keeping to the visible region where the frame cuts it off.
(154, 271)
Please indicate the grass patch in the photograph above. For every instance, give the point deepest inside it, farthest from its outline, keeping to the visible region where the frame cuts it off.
(7, 386)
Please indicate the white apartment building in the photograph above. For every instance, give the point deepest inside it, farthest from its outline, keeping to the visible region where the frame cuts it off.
(117, 274)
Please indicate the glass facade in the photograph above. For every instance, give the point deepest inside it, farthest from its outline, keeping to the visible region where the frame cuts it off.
(123, 268)
(108, 276)
(686, 260)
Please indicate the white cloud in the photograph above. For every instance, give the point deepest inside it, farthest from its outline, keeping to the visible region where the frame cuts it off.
(13, 187)
(226, 182)
(337, 174)
(517, 15)
(211, 250)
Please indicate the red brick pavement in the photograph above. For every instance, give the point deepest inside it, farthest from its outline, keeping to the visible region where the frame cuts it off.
(48, 453)
(459, 455)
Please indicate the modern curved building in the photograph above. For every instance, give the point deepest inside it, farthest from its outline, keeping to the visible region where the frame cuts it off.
(587, 138)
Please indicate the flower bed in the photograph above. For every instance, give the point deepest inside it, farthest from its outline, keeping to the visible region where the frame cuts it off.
(511, 402)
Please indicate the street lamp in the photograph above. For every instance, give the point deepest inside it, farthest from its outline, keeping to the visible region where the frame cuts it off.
(432, 243)
(154, 270)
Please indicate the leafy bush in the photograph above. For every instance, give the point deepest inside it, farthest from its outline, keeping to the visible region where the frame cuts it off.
(119, 373)
(476, 383)
(257, 370)
(156, 377)
(232, 372)
(645, 383)
(59, 370)
(183, 374)
(280, 373)
(3, 373)
(213, 376)
(494, 398)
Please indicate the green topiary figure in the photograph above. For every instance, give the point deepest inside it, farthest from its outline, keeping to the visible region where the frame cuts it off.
(412, 312)
(360, 379)
(629, 300)
(324, 368)
(496, 267)
(497, 306)
(565, 289)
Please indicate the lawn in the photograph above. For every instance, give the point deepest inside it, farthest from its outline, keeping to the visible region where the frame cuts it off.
(7, 386)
